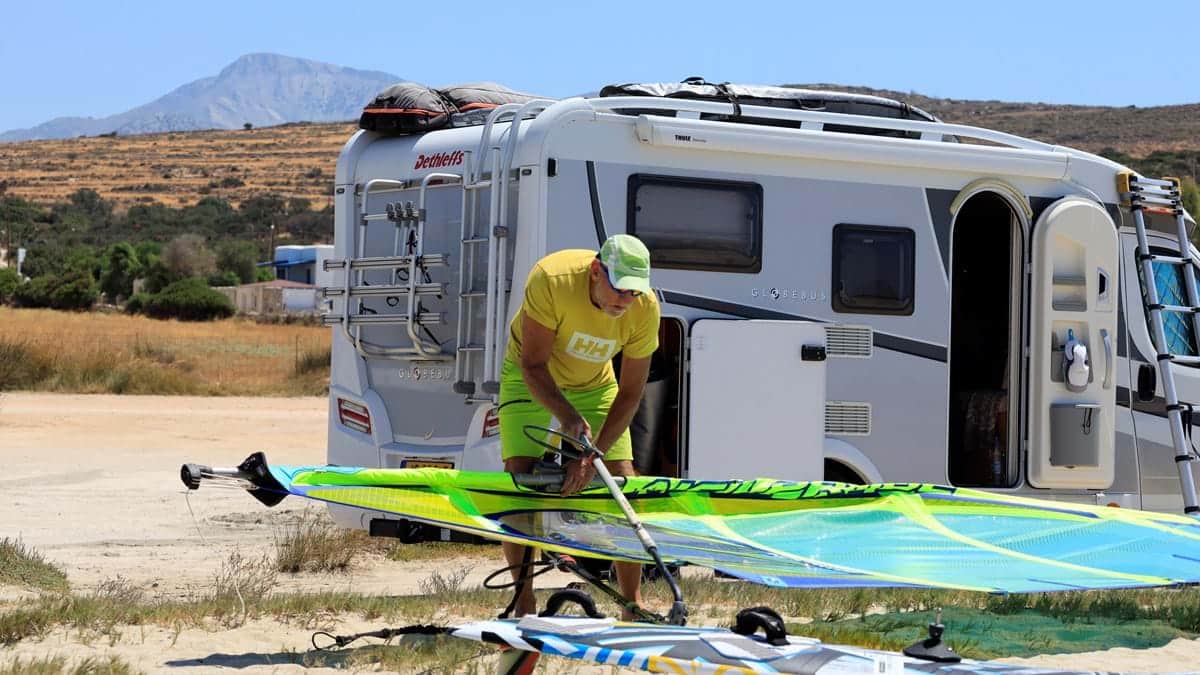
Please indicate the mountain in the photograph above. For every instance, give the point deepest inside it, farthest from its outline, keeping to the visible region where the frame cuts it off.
(260, 89)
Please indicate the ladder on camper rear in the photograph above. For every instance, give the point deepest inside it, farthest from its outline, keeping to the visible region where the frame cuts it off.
(409, 266)
(478, 359)
(1146, 195)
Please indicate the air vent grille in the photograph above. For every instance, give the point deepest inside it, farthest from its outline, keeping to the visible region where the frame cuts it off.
(849, 341)
(847, 418)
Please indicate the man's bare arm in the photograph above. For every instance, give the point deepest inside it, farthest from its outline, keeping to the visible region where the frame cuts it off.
(629, 394)
(537, 343)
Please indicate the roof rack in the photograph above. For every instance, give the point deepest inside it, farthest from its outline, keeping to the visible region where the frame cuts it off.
(816, 121)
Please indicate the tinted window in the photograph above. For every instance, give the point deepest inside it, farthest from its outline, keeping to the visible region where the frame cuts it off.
(873, 269)
(1177, 326)
(697, 224)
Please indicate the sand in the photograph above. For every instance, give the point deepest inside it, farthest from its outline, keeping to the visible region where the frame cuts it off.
(92, 483)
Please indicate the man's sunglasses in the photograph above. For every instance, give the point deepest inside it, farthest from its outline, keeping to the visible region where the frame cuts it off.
(619, 291)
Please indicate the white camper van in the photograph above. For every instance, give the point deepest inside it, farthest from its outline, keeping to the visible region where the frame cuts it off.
(851, 290)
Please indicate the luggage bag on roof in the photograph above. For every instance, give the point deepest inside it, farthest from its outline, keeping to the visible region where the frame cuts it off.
(773, 97)
(412, 108)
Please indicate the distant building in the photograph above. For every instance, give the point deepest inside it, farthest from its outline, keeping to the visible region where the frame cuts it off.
(302, 264)
(272, 297)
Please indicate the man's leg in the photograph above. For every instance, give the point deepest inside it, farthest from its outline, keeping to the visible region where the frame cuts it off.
(515, 553)
(629, 575)
(594, 406)
(518, 409)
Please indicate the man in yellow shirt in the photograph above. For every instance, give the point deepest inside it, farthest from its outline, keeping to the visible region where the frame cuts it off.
(581, 308)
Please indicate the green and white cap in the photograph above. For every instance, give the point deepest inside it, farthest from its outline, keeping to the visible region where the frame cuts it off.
(628, 262)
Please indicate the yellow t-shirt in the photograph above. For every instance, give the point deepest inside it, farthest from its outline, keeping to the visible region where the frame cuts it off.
(586, 339)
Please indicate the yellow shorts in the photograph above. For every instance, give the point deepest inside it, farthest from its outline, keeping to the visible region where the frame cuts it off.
(517, 409)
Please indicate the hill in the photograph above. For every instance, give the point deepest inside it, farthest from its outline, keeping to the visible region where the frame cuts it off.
(298, 160)
(178, 169)
(256, 89)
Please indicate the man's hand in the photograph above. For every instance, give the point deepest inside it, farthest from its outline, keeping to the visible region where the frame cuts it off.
(579, 473)
(575, 426)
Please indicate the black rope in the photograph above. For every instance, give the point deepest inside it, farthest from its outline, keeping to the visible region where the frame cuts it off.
(518, 586)
(383, 634)
(575, 451)
(723, 89)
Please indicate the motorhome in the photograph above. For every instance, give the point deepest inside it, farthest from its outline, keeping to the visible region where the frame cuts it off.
(851, 290)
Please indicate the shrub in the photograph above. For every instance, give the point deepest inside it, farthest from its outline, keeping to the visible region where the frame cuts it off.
(34, 293)
(75, 289)
(224, 279)
(25, 566)
(188, 255)
(9, 280)
(190, 300)
(136, 304)
(239, 257)
(314, 544)
(121, 269)
(21, 367)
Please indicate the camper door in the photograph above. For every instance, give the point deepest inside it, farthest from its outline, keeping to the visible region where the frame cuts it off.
(756, 403)
(1072, 365)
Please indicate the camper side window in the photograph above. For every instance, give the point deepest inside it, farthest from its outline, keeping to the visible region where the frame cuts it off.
(697, 224)
(1177, 326)
(873, 269)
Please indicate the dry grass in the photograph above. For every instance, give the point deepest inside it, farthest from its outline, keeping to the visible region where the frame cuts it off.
(56, 665)
(243, 590)
(23, 566)
(313, 543)
(45, 350)
(178, 169)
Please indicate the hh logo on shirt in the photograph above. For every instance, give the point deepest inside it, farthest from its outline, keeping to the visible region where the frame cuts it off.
(591, 348)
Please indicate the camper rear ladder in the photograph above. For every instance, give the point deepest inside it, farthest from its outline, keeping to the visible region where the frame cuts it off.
(478, 362)
(1163, 196)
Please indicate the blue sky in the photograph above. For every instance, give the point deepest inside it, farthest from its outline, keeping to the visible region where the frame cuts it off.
(100, 58)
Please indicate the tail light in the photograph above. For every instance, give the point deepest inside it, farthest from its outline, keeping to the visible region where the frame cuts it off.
(491, 423)
(354, 416)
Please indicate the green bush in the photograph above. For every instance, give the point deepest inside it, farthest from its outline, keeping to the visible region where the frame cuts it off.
(189, 300)
(121, 267)
(136, 304)
(9, 280)
(75, 289)
(224, 279)
(35, 292)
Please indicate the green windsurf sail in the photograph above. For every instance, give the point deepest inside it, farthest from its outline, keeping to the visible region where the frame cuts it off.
(782, 533)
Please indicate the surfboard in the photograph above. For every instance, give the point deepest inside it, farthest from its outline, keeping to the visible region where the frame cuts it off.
(687, 649)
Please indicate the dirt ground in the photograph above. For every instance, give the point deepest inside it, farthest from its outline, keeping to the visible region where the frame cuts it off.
(92, 483)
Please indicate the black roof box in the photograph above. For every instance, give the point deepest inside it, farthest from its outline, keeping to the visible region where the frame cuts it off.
(775, 97)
